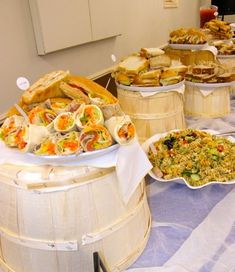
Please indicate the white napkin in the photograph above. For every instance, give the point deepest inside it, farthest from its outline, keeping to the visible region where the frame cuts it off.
(130, 161)
(179, 89)
(211, 48)
(132, 166)
(207, 91)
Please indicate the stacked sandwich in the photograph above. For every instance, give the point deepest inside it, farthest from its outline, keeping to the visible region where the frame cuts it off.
(64, 115)
(209, 73)
(150, 67)
(224, 48)
(187, 36)
(219, 30)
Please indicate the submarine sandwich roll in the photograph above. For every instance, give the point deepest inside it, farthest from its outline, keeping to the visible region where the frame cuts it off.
(81, 87)
(46, 87)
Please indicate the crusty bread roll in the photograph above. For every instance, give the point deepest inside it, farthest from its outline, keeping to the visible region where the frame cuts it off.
(46, 87)
(91, 88)
(73, 92)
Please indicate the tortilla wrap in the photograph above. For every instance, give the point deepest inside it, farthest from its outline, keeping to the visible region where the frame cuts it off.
(95, 137)
(30, 136)
(87, 115)
(122, 129)
(69, 144)
(64, 122)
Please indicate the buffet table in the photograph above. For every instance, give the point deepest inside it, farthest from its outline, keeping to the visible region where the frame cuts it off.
(192, 230)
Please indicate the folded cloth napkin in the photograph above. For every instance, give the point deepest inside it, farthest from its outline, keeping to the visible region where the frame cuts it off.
(206, 92)
(210, 48)
(132, 166)
(130, 161)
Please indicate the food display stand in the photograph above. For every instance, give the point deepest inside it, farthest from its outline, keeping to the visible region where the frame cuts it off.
(153, 110)
(207, 100)
(229, 61)
(54, 217)
(66, 189)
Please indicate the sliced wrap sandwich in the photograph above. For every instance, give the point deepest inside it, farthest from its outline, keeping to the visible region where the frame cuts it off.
(47, 146)
(87, 115)
(41, 116)
(68, 144)
(64, 122)
(121, 128)
(31, 135)
(58, 105)
(9, 130)
(95, 137)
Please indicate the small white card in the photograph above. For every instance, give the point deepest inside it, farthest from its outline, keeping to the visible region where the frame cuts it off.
(22, 83)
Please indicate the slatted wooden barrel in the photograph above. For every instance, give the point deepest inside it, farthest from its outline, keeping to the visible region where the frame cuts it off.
(157, 113)
(207, 100)
(229, 61)
(54, 218)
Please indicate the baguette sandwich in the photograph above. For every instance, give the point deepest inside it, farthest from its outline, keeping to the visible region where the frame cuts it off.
(46, 87)
(78, 87)
(97, 95)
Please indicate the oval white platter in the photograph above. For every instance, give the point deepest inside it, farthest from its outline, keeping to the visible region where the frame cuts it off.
(81, 156)
(180, 180)
(226, 56)
(184, 46)
(150, 89)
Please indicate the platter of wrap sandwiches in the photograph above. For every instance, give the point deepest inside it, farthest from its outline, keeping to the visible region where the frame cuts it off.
(66, 116)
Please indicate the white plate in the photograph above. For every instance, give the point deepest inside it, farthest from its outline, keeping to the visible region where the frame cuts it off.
(226, 56)
(233, 26)
(180, 180)
(82, 156)
(150, 89)
(187, 46)
(210, 86)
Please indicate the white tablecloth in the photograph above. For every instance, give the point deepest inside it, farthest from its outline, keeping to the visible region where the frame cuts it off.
(192, 230)
(131, 163)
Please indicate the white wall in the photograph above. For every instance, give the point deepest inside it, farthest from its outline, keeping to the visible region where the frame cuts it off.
(144, 24)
